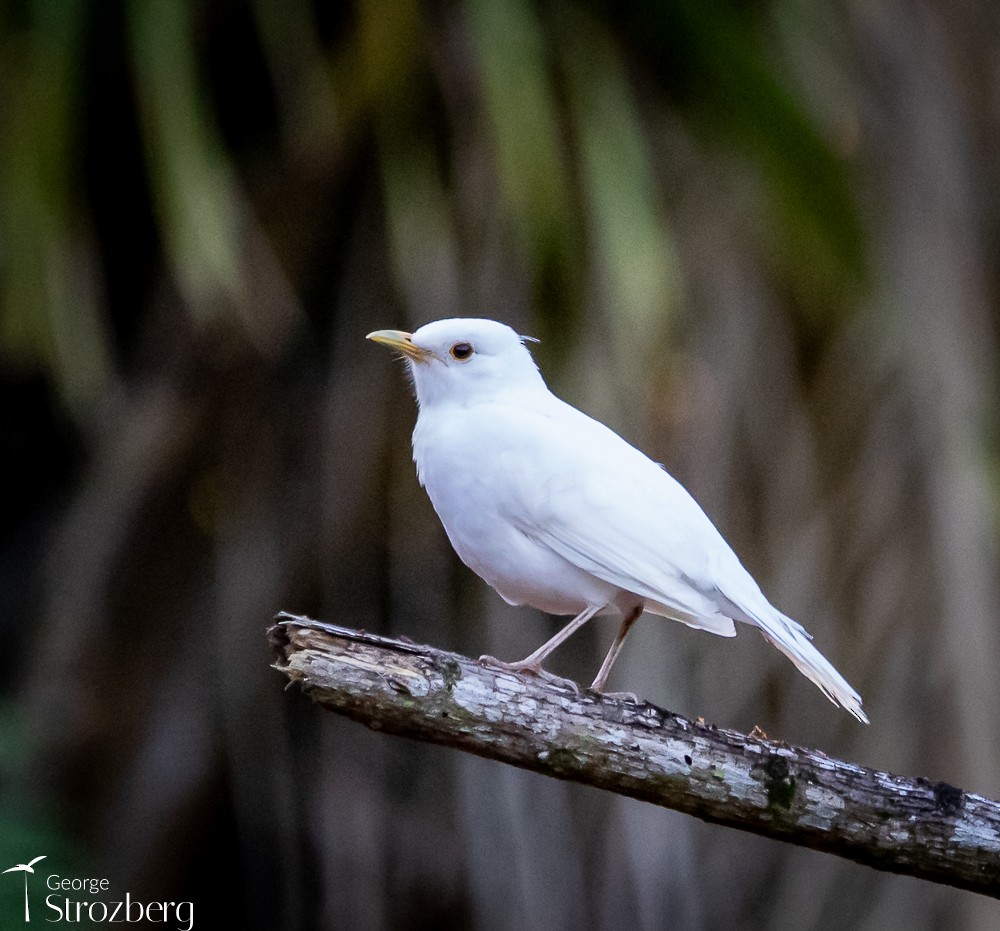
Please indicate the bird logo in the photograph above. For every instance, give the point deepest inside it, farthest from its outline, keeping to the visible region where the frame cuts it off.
(25, 868)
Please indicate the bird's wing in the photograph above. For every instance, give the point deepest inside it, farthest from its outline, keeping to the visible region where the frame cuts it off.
(607, 508)
(579, 489)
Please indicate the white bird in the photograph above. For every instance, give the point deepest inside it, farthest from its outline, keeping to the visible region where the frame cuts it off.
(556, 511)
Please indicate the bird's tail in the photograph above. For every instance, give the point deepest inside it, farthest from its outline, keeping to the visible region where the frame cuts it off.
(793, 640)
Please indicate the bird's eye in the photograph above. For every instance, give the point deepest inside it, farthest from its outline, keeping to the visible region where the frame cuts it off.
(462, 352)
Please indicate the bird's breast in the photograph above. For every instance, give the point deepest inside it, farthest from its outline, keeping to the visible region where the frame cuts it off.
(472, 476)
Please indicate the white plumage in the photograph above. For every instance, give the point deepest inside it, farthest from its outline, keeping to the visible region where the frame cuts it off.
(556, 511)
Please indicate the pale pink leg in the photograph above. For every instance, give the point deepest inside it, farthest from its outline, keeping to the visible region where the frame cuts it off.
(535, 660)
(616, 648)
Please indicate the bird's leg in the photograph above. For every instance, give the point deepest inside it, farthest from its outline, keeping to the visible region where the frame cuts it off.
(535, 660)
(616, 648)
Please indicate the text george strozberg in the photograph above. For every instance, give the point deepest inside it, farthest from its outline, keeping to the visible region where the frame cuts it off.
(74, 910)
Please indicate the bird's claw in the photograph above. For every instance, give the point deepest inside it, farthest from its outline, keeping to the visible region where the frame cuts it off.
(619, 696)
(533, 669)
(520, 666)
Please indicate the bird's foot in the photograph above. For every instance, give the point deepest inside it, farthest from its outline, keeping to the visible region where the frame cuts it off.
(534, 669)
(619, 696)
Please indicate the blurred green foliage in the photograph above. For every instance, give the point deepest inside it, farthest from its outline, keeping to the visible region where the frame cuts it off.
(571, 97)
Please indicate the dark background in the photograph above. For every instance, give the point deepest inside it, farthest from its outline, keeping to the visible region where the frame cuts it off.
(758, 239)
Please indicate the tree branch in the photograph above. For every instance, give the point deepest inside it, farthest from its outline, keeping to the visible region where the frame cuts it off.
(913, 826)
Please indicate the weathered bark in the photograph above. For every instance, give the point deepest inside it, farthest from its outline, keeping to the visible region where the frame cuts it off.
(913, 826)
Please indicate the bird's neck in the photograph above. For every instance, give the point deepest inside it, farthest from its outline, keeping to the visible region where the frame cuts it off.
(434, 392)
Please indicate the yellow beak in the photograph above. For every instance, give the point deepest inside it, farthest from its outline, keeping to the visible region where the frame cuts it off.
(402, 341)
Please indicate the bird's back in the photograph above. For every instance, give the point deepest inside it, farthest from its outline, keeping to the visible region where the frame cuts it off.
(543, 470)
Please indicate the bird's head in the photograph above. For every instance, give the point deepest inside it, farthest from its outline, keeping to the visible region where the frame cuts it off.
(464, 359)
